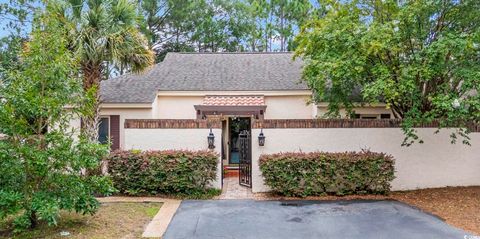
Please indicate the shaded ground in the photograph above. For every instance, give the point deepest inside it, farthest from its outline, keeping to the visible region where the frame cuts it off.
(232, 190)
(113, 220)
(305, 219)
(458, 206)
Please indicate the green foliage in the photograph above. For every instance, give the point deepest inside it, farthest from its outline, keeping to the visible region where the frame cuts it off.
(15, 15)
(103, 31)
(102, 34)
(311, 174)
(41, 160)
(10, 48)
(420, 57)
(277, 21)
(223, 25)
(181, 173)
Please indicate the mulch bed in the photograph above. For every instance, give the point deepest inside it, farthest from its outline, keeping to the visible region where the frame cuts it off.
(458, 206)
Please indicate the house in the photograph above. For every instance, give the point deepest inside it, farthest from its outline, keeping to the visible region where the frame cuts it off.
(236, 86)
(223, 101)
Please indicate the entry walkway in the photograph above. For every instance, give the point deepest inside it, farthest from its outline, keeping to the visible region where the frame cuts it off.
(232, 190)
(244, 219)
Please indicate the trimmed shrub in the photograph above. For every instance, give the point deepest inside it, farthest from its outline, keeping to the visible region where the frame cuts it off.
(320, 173)
(176, 172)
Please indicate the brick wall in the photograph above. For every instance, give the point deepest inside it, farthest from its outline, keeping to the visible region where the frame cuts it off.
(342, 123)
(278, 124)
(172, 124)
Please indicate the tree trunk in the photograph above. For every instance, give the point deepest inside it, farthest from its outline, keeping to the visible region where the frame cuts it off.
(266, 39)
(282, 33)
(33, 219)
(92, 74)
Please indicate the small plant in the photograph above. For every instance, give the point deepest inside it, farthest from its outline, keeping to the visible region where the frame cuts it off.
(173, 172)
(319, 173)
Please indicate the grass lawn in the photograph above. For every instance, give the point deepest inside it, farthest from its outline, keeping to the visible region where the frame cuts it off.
(113, 220)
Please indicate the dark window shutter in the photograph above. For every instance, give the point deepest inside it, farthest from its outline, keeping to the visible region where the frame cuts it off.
(115, 131)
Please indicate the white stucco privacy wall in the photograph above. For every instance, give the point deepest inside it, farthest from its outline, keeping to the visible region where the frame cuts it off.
(165, 139)
(436, 163)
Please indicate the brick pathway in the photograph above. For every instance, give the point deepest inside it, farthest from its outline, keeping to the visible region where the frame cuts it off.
(232, 190)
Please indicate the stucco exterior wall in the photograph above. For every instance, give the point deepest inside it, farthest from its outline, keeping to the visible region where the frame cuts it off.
(367, 110)
(75, 125)
(436, 163)
(176, 107)
(181, 105)
(126, 113)
(165, 139)
(288, 107)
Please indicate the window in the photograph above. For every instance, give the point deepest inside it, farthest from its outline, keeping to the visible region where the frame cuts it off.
(104, 130)
(385, 116)
(366, 116)
(371, 116)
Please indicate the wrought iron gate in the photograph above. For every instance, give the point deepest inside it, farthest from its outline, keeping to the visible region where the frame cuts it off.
(245, 166)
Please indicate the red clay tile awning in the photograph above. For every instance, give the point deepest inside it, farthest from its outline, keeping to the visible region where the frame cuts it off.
(234, 100)
(238, 105)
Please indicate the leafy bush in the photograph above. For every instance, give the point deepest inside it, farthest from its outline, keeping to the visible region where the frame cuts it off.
(176, 172)
(319, 173)
(42, 159)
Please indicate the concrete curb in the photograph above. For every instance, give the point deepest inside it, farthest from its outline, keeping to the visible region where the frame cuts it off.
(157, 227)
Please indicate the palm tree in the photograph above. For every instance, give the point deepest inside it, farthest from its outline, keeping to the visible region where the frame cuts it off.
(102, 32)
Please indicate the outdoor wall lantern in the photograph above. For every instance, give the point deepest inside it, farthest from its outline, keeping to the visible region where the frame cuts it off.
(211, 140)
(261, 138)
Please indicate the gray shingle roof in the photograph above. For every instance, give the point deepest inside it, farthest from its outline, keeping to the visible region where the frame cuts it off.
(207, 72)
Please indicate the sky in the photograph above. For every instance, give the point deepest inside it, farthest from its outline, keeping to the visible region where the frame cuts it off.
(5, 19)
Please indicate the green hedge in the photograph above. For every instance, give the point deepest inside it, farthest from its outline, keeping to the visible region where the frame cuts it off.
(175, 172)
(319, 173)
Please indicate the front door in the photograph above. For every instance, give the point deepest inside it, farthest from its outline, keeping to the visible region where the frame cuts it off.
(245, 164)
(236, 126)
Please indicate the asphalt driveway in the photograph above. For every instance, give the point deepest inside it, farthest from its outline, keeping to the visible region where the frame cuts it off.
(305, 219)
